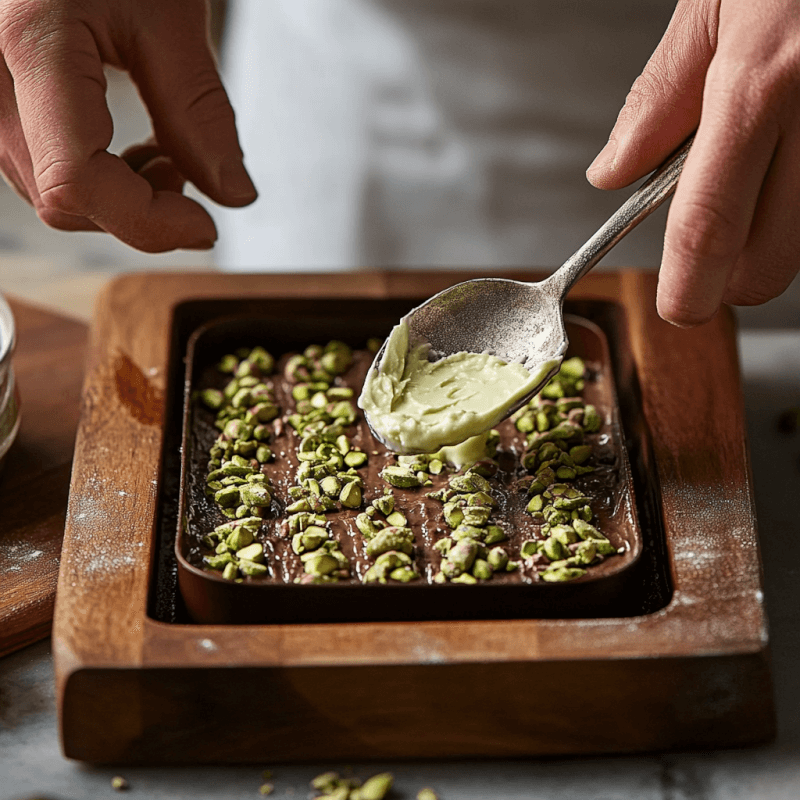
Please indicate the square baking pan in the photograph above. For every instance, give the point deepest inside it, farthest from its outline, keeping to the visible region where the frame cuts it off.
(611, 587)
(682, 663)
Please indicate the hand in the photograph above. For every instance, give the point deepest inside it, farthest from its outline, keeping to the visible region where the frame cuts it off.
(55, 126)
(731, 69)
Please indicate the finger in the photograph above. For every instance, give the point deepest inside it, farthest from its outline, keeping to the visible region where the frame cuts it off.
(664, 104)
(15, 161)
(161, 174)
(60, 90)
(137, 155)
(770, 261)
(192, 117)
(715, 201)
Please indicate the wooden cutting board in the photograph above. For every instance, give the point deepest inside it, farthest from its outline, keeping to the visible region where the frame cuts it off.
(34, 484)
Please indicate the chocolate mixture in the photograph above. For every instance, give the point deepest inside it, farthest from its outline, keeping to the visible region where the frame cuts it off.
(606, 487)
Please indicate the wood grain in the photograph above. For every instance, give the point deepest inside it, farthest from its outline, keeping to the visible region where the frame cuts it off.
(694, 674)
(48, 365)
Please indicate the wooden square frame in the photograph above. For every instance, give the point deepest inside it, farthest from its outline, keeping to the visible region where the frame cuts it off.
(132, 689)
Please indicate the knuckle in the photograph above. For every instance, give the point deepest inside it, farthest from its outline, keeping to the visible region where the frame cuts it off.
(702, 231)
(207, 101)
(62, 189)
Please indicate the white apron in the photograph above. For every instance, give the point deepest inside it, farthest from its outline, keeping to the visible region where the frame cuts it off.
(420, 133)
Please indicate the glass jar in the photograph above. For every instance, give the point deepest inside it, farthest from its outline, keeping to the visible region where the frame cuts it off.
(9, 393)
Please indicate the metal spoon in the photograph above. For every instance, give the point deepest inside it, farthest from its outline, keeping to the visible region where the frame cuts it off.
(523, 322)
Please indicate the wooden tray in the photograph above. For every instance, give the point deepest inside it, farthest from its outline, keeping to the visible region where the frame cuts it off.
(136, 683)
(48, 364)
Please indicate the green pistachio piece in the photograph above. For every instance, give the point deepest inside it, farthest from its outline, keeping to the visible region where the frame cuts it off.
(253, 552)
(336, 362)
(536, 504)
(251, 568)
(529, 548)
(584, 553)
(262, 359)
(453, 514)
(464, 577)
(255, 494)
(554, 549)
(367, 527)
(482, 569)
(325, 782)
(343, 445)
(322, 564)
(580, 453)
(240, 538)
(435, 466)
(494, 534)
(228, 364)
(463, 554)
(565, 534)
(444, 545)
(399, 476)
(566, 473)
(403, 574)
(219, 561)
(525, 423)
(212, 398)
(391, 538)
(266, 788)
(384, 504)
(396, 519)
(469, 483)
(481, 499)
(331, 485)
(355, 458)
(497, 558)
(471, 532)
(562, 574)
(586, 531)
(591, 419)
(227, 497)
(374, 788)
(350, 496)
(604, 547)
(427, 794)
(230, 572)
(477, 516)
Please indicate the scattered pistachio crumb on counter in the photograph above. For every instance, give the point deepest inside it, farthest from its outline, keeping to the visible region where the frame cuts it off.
(119, 784)
(427, 794)
(266, 788)
(332, 786)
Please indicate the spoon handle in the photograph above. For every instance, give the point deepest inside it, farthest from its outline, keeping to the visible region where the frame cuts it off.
(646, 199)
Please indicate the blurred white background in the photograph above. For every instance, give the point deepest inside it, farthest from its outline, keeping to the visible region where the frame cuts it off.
(395, 133)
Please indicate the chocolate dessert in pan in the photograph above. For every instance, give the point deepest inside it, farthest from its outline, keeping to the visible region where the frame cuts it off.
(290, 511)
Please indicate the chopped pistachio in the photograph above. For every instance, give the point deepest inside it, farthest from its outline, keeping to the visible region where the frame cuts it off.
(374, 788)
(396, 519)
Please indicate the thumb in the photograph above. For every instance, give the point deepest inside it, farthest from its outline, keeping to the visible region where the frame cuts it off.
(193, 120)
(664, 104)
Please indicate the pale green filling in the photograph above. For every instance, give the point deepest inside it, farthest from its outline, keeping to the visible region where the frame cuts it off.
(422, 406)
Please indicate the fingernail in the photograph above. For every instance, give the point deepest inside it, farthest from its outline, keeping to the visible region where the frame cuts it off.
(235, 182)
(604, 159)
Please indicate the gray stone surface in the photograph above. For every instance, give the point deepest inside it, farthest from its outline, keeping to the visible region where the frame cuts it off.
(31, 765)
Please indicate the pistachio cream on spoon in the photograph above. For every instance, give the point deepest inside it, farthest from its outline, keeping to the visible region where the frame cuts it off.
(418, 405)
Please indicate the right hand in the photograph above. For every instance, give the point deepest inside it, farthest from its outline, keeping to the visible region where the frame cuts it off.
(55, 126)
